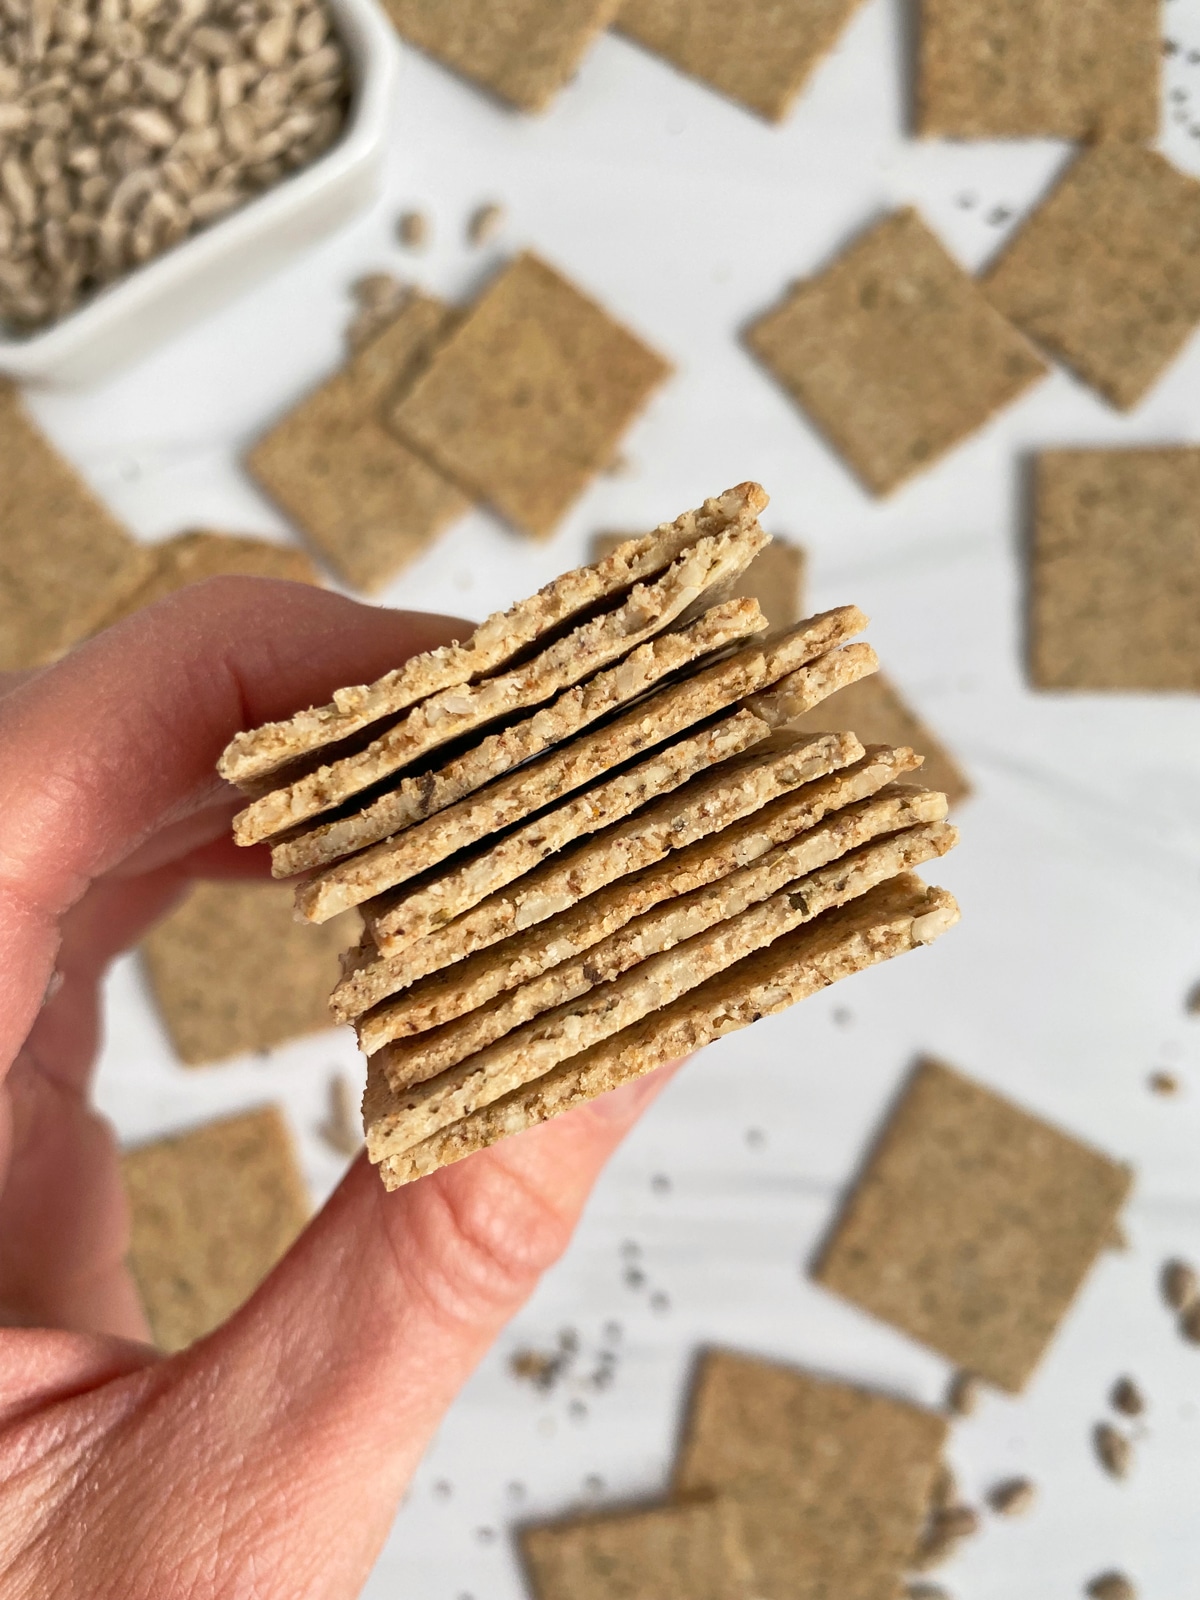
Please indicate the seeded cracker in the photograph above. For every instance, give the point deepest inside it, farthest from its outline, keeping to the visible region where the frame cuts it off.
(1115, 571)
(756, 51)
(368, 503)
(528, 399)
(895, 352)
(775, 578)
(192, 557)
(1023, 69)
(212, 1210)
(973, 1225)
(1106, 272)
(522, 50)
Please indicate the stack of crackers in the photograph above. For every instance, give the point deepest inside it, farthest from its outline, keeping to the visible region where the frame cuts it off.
(587, 841)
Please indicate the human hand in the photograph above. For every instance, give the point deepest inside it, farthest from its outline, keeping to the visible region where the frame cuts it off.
(267, 1460)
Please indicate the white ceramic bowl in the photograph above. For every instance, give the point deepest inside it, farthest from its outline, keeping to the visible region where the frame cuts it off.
(209, 269)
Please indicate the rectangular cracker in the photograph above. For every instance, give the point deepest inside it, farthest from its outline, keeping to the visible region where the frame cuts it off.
(232, 970)
(524, 50)
(775, 578)
(527, 400)
(757, 52)
(1028, 69)
(895, 352)
(895, 917)
(437, 1000)
(653, 720)
(416, 1060)
(833, 1481)
(397, 1118)
(704, 806)
(973, 1225)
(212, 1210)
(453, 713)
(398, 920)
(65, 561)
(365, 501)
(254, 754)
(198, 554)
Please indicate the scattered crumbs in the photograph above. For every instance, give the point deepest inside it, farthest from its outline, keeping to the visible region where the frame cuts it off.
(660, 1183)
(443, 1489)
(1192, 1004)
(945, 1531)
(485, 223)
(630, 1249)
(1165, 1083)
(1127, 1398)
(413, 230)
(1012, 1498)
(1189, 1323)
(999, 215)
(1113, 1450)
(341, 1129)
(593, 1485)
(635, 1278)
(755, 1138)
(1193, 57)
(1169, 47)
(535, 1367)
(515, 1490)
(660, 1302)
(1180, 1285)
(1112, 1586)
(485, 1535)
(1179, 94)
(842, 1017)
(964, 1394)
(965, 202)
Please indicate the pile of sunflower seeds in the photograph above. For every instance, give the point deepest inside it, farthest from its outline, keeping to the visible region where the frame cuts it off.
(126, 125)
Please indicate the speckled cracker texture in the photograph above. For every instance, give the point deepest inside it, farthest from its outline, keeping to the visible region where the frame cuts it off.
(367, 503)
(1106, 272)
(756, 51)
(1022, 69)
(775, 578)
(528, 398)
(1115, 575)
(232, 970)
(833, 1481)
(199, 554)
(894, 352)
(65, 561)
(692, 1549)
(973, 1225)
(522, 50)
(212, 1211)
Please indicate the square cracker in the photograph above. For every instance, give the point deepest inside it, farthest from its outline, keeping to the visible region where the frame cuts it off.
(1106, 272)
(199, 554)
(212, 1210)
(756, 51)
(833, 1481)
(528, 398)
(232, 970)
(367, 503)
(775, 578)
(1115, 574)
(694, 1549)
(64, 559)
(522, 50)
(1059, 69)
(973, 1225)
(895, 352)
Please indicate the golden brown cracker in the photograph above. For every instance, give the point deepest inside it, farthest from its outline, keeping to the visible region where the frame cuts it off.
(200, 553)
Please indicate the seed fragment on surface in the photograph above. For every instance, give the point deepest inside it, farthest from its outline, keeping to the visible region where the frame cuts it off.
(1013, 1498)
(1113, 1450)
(1180, 1285)
(1127, 1398)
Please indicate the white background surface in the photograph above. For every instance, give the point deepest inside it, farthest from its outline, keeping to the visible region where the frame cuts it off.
(1079, 873)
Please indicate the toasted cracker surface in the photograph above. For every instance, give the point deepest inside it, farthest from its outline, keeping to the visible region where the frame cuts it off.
(1115, 569)
(1058, 69)
(212, 1210)
(254, 754)
(199, 554)
(65, 561)
(833, 1481)
(757, 52)
(895, 917)
(973, 1225)
(894, 352)
(527, 400)
(783, 702)
(1106, 272)
(775, 578)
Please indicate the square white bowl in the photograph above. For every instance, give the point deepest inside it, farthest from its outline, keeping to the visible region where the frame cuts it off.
(175, 289)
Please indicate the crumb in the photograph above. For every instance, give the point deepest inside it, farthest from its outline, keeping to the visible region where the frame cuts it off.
(1180, 1285)
(1013, 1498)
(1113, 1450)
(1165, 1083)
(486, 221)
(1111, 1586)
(1127, 1398)
(413, 230)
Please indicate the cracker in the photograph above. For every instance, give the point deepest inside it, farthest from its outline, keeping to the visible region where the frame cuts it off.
(524, 51)
(527, 400)
(1106, 272)
(1115, 569)
(660, 717)
(436, 1001)
(895, 352)
(212, 1211)
(1027, 69)
(232, 970)
(450, 715)
(897, 916)
(65, 561)
(366, 502)
(415, 798)
(973, 1225)
(874, 709)
(694, 1549)
(775, 578)
(199, 554)
(629, 981)
(416, 1060)
(703, 807)
(833, 1480)
(758, 52)
(254, 754)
